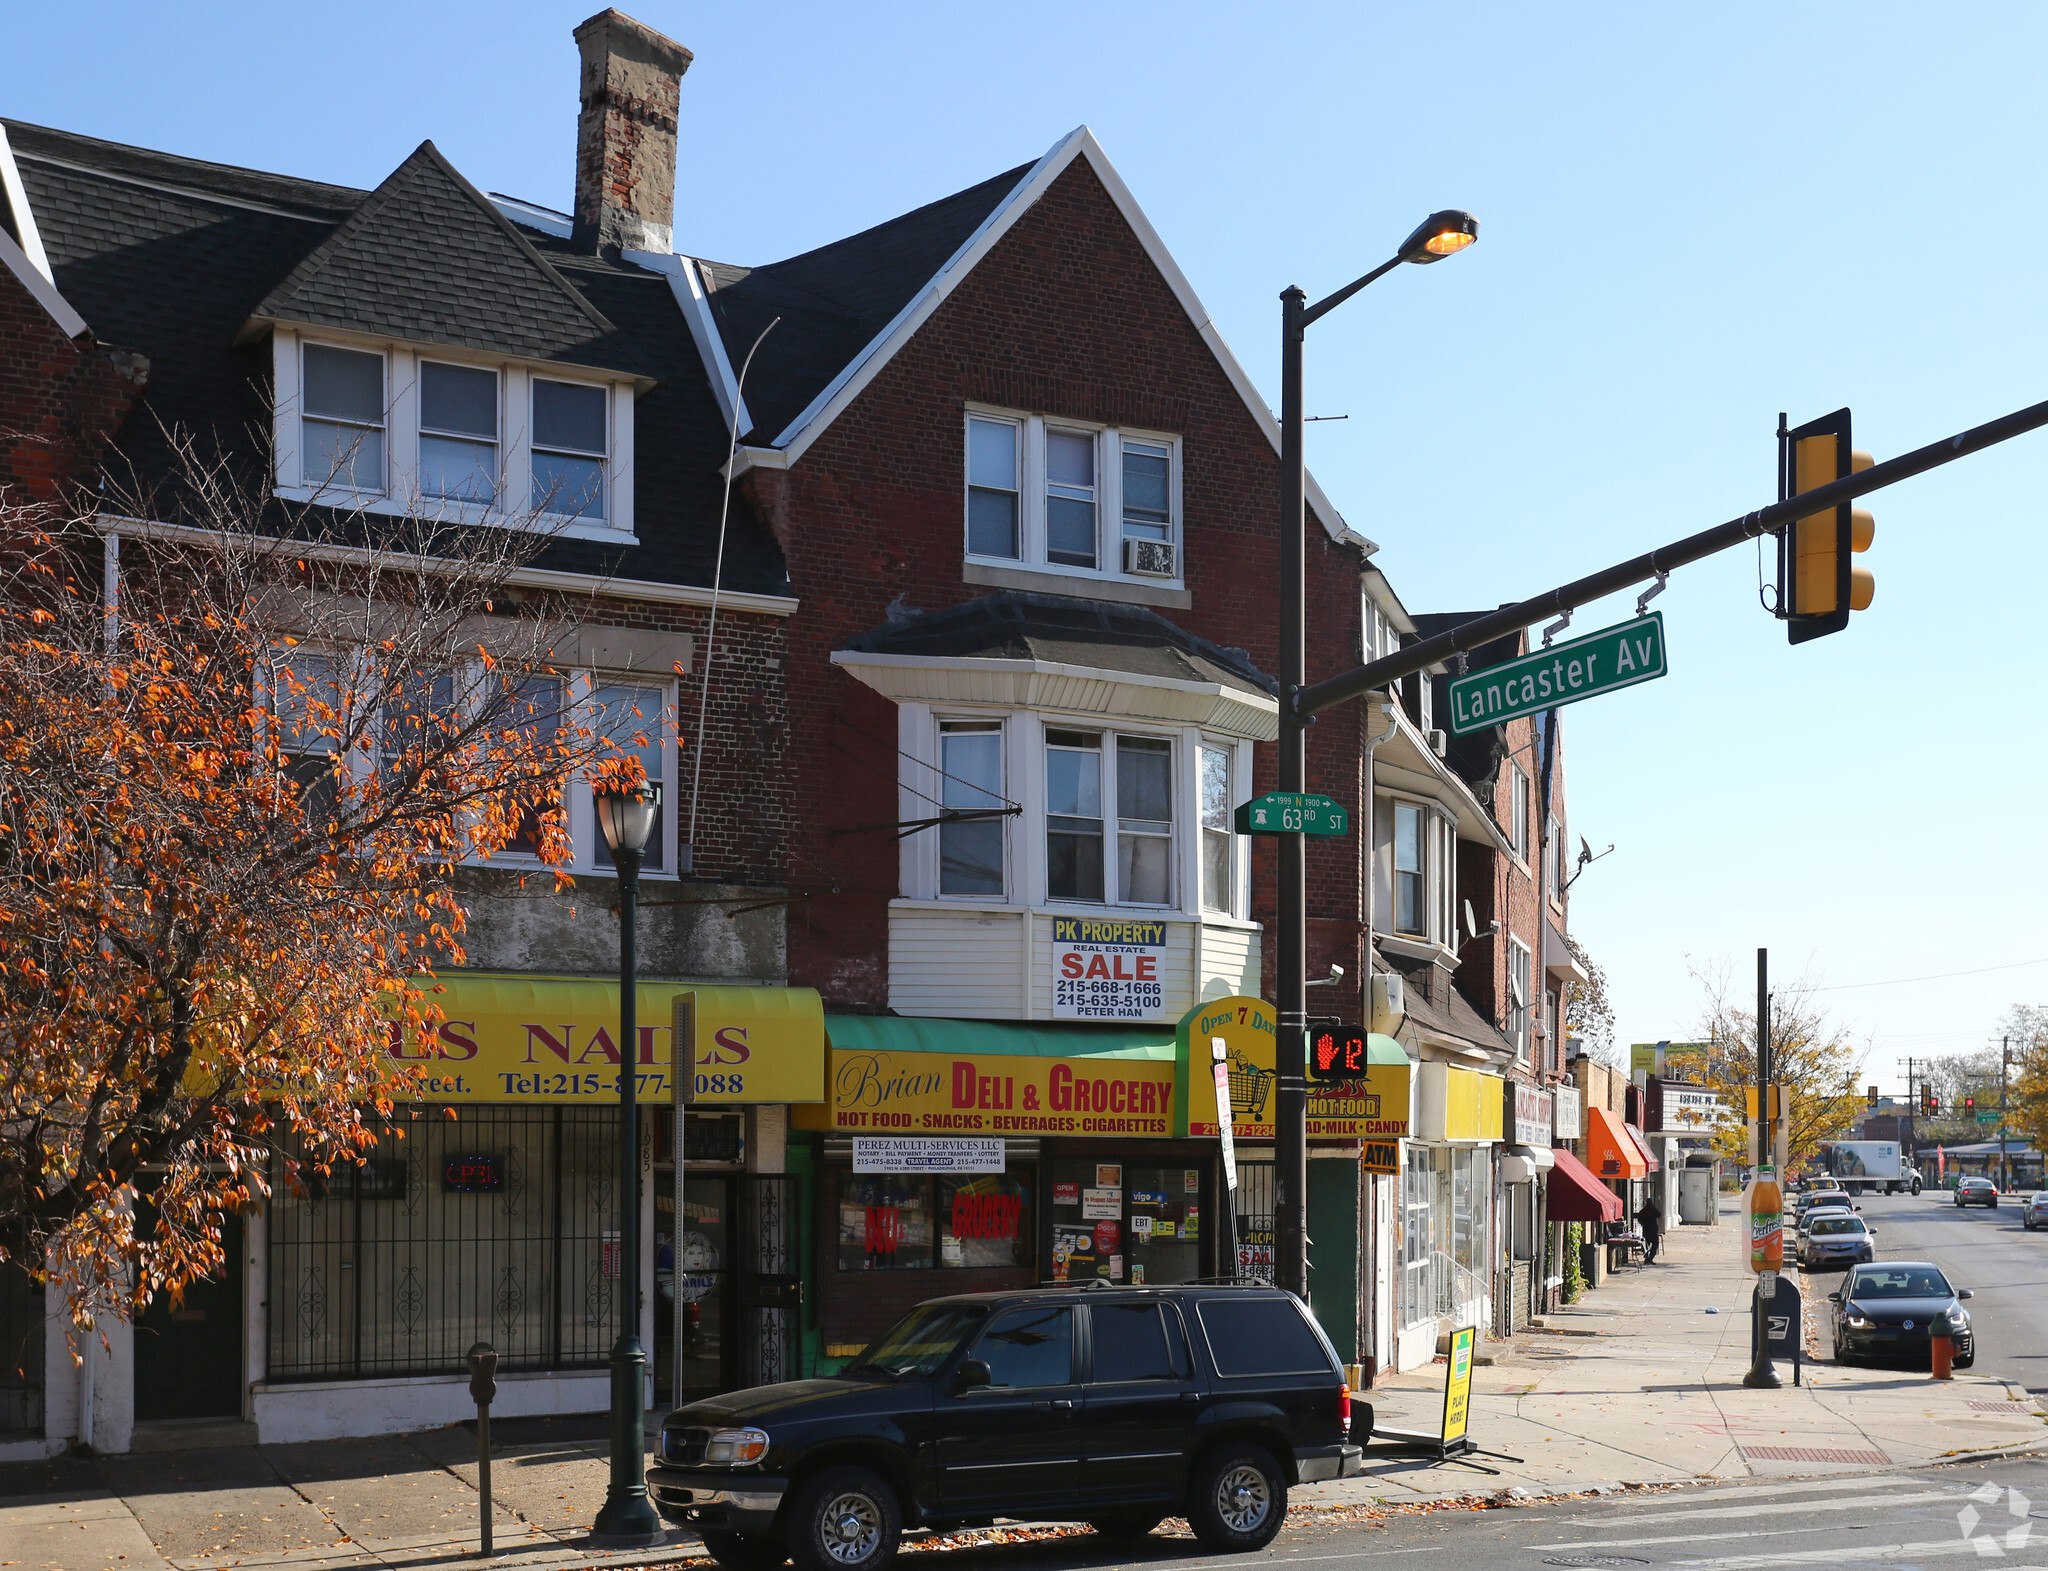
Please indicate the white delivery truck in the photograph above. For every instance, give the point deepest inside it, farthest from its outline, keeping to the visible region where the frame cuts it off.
(1861, 1166)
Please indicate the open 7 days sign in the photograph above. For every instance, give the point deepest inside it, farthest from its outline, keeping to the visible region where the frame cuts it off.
(1602, 662)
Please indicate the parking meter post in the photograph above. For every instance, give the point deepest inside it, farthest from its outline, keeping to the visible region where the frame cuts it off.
(483, 1387)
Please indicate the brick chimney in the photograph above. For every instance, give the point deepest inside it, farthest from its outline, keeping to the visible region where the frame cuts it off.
(626, 134)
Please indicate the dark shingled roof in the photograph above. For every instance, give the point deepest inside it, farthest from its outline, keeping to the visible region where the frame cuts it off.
(1450, 1013)
(166, 255)
(833, 301)
(426, 258)
(1008, 625)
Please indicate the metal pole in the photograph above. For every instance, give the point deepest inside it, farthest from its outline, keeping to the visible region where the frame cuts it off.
(1762, 1373)
(1290, 1119)
(2004, 1064)
(627, 1520)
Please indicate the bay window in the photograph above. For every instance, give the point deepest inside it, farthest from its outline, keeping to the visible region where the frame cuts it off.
(1075, 838)
(1073, 815)
(1218, 844)
(1411, 871)
(971, 780)
(1144, 805)
(1424, 854)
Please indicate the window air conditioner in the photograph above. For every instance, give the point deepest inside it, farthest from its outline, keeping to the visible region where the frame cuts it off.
(1153, 558)
(1439, 743)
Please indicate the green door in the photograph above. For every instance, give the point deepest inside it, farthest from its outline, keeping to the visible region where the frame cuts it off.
(1333, 1285)
(188, 1359)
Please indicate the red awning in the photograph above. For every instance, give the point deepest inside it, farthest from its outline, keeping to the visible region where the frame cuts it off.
(1610, 1151)
(1642, 1147)
(1575, 1195)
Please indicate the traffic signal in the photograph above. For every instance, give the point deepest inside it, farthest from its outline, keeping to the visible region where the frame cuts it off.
(1870, 1097)
(1933, 1103)
(1818, 585)
(1969, 1104)
(1336, 1053)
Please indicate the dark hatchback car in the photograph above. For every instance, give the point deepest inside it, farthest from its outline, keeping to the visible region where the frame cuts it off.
(1976, 1192)
(1111, 1405)
(1886, 1310)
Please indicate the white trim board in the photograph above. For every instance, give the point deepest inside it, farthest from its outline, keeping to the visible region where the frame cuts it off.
(593, 584)
(36, 281)
(854, 377)
(687, 285)
(17, 204)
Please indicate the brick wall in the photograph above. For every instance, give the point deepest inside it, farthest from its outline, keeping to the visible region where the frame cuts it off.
(1065, 316)
(60, 401)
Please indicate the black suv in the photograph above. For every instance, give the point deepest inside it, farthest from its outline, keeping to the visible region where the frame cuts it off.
(1111, 1405)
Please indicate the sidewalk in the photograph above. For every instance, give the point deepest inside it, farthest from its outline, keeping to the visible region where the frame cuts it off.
(1637, 1383)
(1641, 1382)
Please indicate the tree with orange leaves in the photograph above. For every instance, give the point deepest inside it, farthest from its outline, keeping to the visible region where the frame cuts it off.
(241, 757)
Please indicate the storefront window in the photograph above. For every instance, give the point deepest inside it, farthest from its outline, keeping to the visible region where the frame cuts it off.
(916, 1222)
(1115, 1220)
(489, 1226)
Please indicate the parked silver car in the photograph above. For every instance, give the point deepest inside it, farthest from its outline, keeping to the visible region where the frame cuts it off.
(2036, 1213)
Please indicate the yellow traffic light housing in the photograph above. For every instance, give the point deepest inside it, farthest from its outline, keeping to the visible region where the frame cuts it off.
(1819, 584)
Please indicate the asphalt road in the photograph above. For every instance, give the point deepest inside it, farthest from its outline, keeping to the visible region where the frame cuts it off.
(1976, 1248)
(1912, 1520)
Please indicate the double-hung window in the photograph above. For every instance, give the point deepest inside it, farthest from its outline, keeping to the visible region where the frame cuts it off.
(1519, 984)
(634, 720)
(1518, 811)
(458, 433)
(1411, 870)
(992, 495)
(971, 781)
(308, 700)
(1218, 837)
(343, 420)
(569, 449)
(1553, 858)
(1071, 498)
(1085, 769)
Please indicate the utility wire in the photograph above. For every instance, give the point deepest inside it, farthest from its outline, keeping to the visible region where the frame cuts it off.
(1938, 976)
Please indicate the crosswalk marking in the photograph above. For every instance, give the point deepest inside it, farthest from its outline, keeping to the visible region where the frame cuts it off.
(1745, 1512)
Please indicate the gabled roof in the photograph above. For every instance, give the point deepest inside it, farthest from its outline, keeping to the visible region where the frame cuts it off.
(428, 258)
(858, 352)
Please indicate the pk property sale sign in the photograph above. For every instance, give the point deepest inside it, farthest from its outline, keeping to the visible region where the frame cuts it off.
(1602, 662)
(1107, 969)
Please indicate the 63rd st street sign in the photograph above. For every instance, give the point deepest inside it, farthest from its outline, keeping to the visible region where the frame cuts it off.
(1602, 662)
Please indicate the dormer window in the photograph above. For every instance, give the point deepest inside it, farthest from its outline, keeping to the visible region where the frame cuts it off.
(343, 427)
(1065, 497)
(568, 449)
(458, 432)
(394, 429)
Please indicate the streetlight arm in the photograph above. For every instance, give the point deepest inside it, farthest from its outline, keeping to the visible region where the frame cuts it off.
(1330, 303)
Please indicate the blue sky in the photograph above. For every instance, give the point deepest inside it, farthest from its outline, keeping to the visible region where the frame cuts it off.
(1692, 219)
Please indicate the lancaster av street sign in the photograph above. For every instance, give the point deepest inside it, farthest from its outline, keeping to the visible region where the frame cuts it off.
(1602, 662)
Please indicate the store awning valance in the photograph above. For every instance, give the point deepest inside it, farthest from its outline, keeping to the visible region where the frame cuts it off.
(1611, 1151)
(1574, 1195)
(1651, 1164)
(887, 1034)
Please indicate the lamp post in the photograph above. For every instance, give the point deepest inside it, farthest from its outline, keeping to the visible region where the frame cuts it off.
(1440, 235)
(629, 819)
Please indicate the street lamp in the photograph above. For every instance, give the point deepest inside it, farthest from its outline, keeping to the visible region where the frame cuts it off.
(628, 817)
(1440, 235)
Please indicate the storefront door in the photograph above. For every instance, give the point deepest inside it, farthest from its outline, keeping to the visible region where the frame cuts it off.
(693, 1348)
(1127, 1222)
(188, 1357)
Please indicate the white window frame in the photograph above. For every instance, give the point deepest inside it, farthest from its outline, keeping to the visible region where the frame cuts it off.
(1024, 844)
(421, 430)
(611, 444)
(400, 495)
(1518, 811)
(1437, 841)
(1112, 827)
(1201, 832)
(1553, 860)
(937, 788)
(1522, 971)
(1109, 510)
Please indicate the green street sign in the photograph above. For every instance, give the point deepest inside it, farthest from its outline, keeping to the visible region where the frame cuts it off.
(1602, 662)
(1292, 813)
(1988, 1118)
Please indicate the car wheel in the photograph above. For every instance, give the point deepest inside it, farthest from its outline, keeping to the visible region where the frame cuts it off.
(1134, 1523)
(746, 1551)
(844, 1519)
(1237, 1499)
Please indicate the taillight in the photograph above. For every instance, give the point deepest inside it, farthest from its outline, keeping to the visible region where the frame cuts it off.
(1344, 1409)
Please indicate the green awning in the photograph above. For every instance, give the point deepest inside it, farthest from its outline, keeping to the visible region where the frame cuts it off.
(1382, 1050)
(884, 1034)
